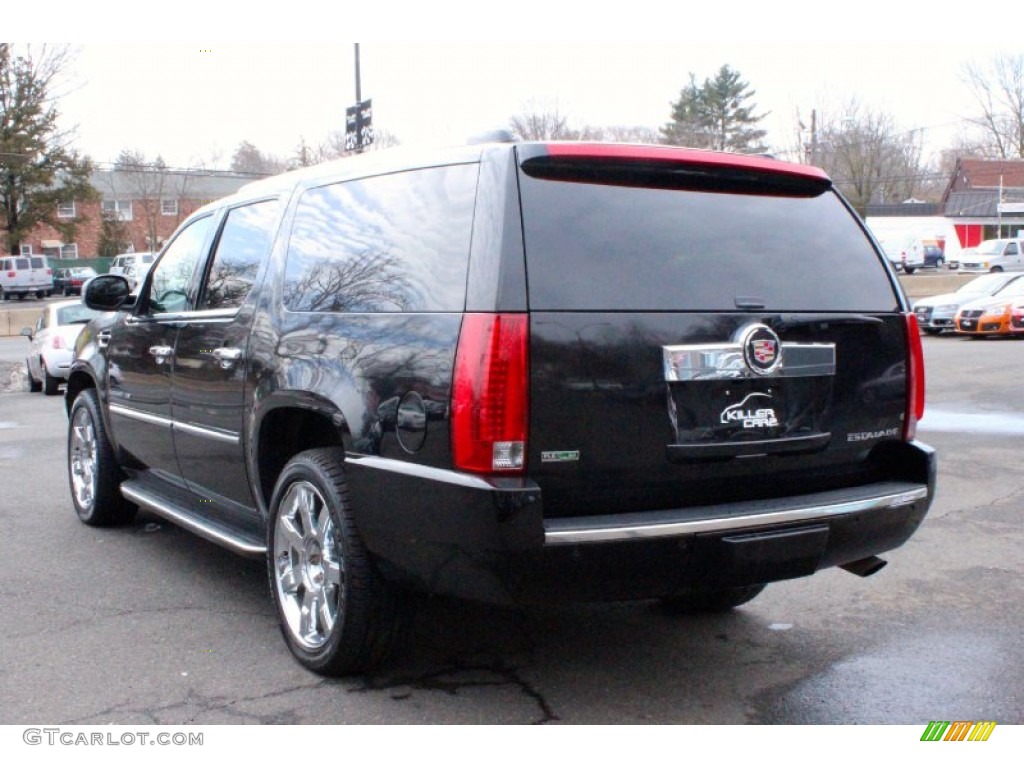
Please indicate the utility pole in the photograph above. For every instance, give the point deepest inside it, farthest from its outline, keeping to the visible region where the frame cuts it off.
(359, 97)
(359, 118)
(814, 137)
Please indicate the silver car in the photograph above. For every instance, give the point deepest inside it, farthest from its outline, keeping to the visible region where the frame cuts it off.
(935, 313)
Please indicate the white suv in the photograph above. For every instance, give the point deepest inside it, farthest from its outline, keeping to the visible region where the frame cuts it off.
(132, 266)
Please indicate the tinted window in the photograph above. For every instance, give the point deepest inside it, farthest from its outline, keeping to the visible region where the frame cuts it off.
(37, 262)
(21, 263)
(244, 241)
(173, 275)
(700, 243)
(384, 244)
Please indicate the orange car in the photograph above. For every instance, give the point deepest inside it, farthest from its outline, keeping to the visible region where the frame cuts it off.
(1001, 314)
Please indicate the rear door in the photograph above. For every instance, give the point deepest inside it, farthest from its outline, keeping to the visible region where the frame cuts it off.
(209, 359)
(701, 333)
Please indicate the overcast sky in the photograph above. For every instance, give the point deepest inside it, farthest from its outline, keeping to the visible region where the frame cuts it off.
(194, 102)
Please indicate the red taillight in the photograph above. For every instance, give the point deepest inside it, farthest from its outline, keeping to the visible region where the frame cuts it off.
(915, 378)
(12, 274)
(58, 342)
(489, 394)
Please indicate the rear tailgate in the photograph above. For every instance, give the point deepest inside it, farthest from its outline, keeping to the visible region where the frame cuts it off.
(702, 333)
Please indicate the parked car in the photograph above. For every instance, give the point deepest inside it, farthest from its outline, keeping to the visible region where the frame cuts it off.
(936, 313)
(52, 344)
(933, 256)
(133, 266)
(997, 315)
(995, 256)
(895, 253)
(69, 280)
(24, 275)
(345, 370)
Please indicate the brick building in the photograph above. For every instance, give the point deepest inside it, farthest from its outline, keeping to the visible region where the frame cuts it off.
(138, 211)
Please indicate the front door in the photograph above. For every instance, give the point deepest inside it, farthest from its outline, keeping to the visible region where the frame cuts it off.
(141, 358)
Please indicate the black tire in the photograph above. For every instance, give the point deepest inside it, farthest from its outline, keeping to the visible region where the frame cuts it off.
(321, 567)
(939, 262)
(51, 384)
(710, 601)
(67, 291)
(932, 331)
(909, 270)
(996, 269)
(93, 472)
(34, 385)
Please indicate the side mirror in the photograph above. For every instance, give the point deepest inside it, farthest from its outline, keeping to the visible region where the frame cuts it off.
(27, 332)
(106, 293)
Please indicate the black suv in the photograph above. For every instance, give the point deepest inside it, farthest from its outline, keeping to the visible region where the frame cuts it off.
(511, 372)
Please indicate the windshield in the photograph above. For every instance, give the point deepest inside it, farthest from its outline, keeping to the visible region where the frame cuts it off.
(983, 284)
(1012, 291)
(991, 248)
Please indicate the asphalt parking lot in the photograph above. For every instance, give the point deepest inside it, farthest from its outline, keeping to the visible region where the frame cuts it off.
(150, 625)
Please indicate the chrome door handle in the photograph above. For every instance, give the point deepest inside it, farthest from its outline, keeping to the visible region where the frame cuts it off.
(161, 353)
(227, 356)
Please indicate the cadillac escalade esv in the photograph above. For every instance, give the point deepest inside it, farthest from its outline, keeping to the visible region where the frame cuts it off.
(512, 372)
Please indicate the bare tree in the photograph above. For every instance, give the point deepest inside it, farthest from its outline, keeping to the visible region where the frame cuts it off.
(542, 122)
(146, 183)
(152, 185)
(868, 156)
(998, 87)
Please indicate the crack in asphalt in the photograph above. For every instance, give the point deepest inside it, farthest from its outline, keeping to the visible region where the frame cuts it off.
(443, 680)
(200, 704)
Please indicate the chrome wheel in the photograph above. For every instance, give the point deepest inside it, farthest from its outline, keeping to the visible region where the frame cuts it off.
(94, 475)
(82, 456)
(308, 566)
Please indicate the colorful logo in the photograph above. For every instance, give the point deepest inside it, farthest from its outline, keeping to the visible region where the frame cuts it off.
(762, 350)
(958, 730)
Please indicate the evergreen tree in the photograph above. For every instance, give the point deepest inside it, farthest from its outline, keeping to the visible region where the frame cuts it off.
(716, 115)
(38, 169)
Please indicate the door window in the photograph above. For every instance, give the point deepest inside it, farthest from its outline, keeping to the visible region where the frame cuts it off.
(244, 241)
(172, 277)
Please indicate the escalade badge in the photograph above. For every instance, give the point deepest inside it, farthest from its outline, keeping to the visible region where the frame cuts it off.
(762, 350)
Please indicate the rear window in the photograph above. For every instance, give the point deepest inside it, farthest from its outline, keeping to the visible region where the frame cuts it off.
(608, 236)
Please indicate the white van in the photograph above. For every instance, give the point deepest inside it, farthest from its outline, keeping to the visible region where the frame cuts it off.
(1006, 255)
(22, 275)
